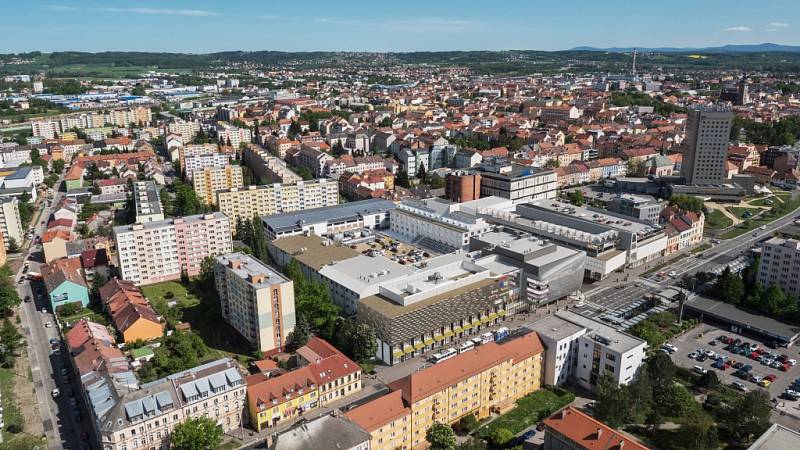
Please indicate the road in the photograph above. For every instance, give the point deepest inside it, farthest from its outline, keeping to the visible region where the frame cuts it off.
(59, 423)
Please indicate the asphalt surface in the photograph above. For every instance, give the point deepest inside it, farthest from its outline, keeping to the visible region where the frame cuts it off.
(60, 424)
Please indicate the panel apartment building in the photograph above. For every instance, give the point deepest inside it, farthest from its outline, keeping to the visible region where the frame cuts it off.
(780, 264)
(208, 180)
(158, 251)
(244, 203)
(256, 300)
(708, 132)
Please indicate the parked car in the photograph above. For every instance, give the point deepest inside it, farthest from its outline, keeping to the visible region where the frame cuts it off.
(771, 377)
(693, 355)
(739, 386)
(670, 348)
(756, 378)
(700, 369)
(55, 393)
(764, 383)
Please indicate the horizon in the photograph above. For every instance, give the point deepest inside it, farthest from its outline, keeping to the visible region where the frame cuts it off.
(206, 26)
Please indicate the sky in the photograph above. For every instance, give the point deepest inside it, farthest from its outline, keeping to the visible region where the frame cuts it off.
(201, 26)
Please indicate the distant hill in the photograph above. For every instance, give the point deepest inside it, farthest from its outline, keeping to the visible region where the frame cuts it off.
(733, 48)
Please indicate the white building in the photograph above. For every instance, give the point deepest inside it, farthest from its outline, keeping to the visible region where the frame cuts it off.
(583, 349)
(780, 264)
(200, 162)
(47, 129)
(330, 220)
(10, 223)
(187, 130)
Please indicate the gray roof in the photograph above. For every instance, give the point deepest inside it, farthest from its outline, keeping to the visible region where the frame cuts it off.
(20, 173)
(617, 340)
(335, 213)
(251, 267)
(755, 322)
(777, 437)
(326, 432)
(555, 328)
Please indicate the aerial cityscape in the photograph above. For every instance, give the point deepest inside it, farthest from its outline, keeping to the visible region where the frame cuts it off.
(440, 225)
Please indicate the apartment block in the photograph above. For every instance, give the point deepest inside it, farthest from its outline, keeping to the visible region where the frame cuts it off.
(780, 264)
(147, 201)
(245, 203)
(10, 224)
(480, 382)
(187, 130)
(208, 180)
(267, 166)
(325, 375)
(571, 429)
(708, 131)
(502, 178)
(196, 163)
(256, 300)
(158, 251)
(47, 129)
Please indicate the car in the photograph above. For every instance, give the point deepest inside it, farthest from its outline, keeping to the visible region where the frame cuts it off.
(669, 348)
(739, 386)
(48, 324)
(709, 353)
(57, 352)
(764, 383)
(714, 342)
(756, 378)
(792, 392)
(27, 299)
(771, 377)
(785, 367)
(55, 393)
(775, 364)
(792, 362)
(701, 358)
(753, 347)
(529, 434)
(719, 365)
(692, 355)
(700, 369)
(783, 358)
(738, 365)
(791, 395)
(672, 274)
(53, 341)
(21, 280)
(44, 310)
(762, 227)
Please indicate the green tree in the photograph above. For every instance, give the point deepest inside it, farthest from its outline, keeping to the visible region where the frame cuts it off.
(674, 400)
(576, 197)
(11, 342)
(640, 393)
(661, 370)
(613, 404)
(259, 241)
(708, 380)
(58, 166)
(302, 331)
(500, 436)
(635, 168)
(206, 277)
(312, 299)
(687, 202)
(364, 342)
(295, 128)
(468, 423)
(13, 246)
(441, 437)
(748, 417)
(402, 179)
(9, 298)
(472, 443)
(654, 421)
(648, 331)
(421, 173)
(552, 163)
(697, 432)
(201, 137)
(729, 287)
(199, 433)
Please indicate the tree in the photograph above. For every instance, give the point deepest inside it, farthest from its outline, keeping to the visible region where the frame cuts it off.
(687, 202)
(259, 240)
(729, 287)
(640, 394)
(635, 168)
(553, 163)
(648, 331)
(697, 432)
(500, 436)
(184, 276)
(9, 298)
(364, 342)
(653, 420)
(199, 433)
(576, 197)
(708, 380)
(206, 277)
(421, 174)
(301, 333)
(748, 417)
(402, 179)
(612, 404)
(13, 246)
(472, 443)
(201, 137)
(673, 400)
(661, 370)
(11, 342)
(441, 437)
(58, 166)
(468, 423)
(295, 128)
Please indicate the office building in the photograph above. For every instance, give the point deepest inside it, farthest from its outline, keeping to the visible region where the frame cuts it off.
(208, 180)
(582, 349)
(256, 300)
(502, 178)
(484, 381)
(311, 252)
(611, 241)
(251, 201)
(462, 186)
(147, 201)
(10, 223)
(571, 429)
(158, 251)
(440, 224)
(642, 207)
(705, 152)
(549, 272)
(780, 264)
(330, 220)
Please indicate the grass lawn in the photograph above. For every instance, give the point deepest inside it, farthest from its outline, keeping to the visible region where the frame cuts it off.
(775, 213)
(761, 202)
(232, 444)
(740, 212)
(716, 220)
(701, 248)
(530, 410)
(201, 309)
(12, 415)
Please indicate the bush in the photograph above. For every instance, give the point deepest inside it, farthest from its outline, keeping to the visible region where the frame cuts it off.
(69, 309)
(501, 436)
(169, 295)
(468, 423)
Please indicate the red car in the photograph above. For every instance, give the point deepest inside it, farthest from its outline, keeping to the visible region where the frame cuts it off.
(783, 358)
(771, 377)
(754, 355)
(785, 367)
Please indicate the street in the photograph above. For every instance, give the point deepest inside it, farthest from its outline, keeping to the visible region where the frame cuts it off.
(59, 423)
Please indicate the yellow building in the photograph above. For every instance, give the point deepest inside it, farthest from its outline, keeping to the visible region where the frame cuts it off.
(488, 379)
(277, 198)
(208, 180)
(68, 136)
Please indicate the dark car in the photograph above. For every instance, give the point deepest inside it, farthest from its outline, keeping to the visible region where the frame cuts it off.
(529, 434)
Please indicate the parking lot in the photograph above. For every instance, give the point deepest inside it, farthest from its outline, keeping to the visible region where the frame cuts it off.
(702, 338)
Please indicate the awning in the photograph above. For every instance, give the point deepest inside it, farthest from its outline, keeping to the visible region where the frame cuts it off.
(397, 353)
(476, 322)
(485, 319)
(492, 316)
(439, 337)
(448, 334)
(458, 329)
(408, 349)
(428, 341)
(419, 345)
(502, 312)
(467, 326)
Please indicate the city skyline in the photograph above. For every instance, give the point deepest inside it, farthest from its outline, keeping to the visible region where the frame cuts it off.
(309, 25)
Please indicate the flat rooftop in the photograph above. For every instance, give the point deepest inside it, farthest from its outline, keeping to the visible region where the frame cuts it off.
(617, 340)
(146, 198)
(391, 310)
(554, 327)
(250, 269)
(777, 437)
(330, 214)
(360, 272)
(730, 313)
(594, 216)
(312, 251)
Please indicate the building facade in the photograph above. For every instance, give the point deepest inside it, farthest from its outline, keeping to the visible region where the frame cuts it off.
(706, 145)
(208, 180)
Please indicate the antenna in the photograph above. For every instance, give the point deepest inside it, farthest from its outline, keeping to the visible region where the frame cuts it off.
(633, 68)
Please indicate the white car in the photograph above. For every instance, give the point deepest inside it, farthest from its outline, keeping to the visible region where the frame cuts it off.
(670, 348)
(48, 324)
(739, 386)
(55, 393)
(710, 353)
(792, 362)
(700, 369)
(673, 274)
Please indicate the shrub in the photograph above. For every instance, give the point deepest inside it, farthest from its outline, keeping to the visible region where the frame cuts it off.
(468, 423)
(169, 294)
(500, 436)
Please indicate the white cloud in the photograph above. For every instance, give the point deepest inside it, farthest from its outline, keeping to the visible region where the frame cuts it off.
(778, 25)
(738, 29)
(161, 11)
(61, 8)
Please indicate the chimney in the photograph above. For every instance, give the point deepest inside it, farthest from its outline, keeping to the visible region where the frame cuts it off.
(599, 432)
(621, 444)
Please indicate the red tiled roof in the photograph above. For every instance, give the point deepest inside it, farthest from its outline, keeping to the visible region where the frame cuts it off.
(589, 433)
(377, 413)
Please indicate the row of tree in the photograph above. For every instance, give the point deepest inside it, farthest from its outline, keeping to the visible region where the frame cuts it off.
(747, 291)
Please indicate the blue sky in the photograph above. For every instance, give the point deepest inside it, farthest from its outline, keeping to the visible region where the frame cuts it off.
(378, 25)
